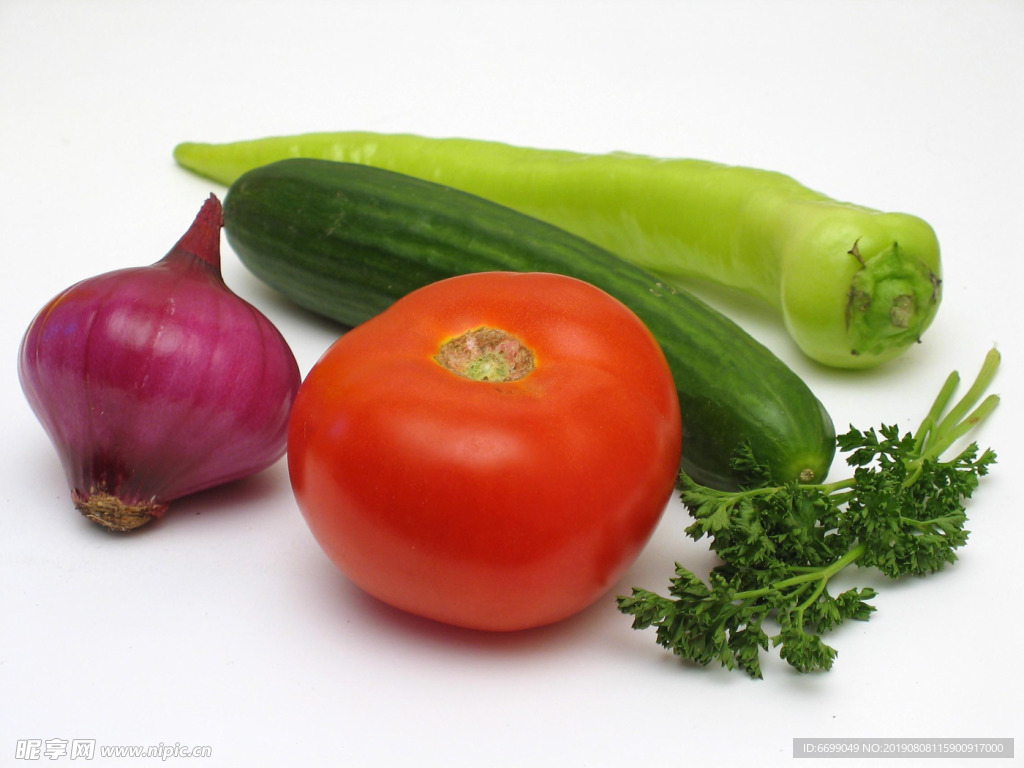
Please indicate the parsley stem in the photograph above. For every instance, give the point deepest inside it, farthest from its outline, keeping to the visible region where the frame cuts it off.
(838, 485)
(958, 430)
(841, 498)
(934, 436)
(957, 414)
(931, 420)
(915, 466)
(823, 574)
(800, 609)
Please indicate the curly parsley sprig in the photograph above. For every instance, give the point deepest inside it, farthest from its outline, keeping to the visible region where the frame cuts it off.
(901, 512)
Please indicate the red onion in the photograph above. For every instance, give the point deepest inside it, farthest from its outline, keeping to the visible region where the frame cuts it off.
(156, 382)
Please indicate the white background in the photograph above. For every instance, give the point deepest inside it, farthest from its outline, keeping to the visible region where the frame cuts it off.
(225, 625)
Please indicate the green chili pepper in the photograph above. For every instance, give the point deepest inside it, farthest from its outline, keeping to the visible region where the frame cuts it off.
(855, 286)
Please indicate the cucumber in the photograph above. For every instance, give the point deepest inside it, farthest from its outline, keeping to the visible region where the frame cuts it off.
(346, 241)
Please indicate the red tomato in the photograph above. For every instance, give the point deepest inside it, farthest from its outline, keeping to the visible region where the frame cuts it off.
(494, 505)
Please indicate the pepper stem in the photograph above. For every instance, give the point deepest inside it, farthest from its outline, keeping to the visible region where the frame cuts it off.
(891, 300)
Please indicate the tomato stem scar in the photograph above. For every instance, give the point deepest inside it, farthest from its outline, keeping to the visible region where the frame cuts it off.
(486, 354)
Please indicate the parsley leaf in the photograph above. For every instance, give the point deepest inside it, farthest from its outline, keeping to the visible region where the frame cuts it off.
(901, 512)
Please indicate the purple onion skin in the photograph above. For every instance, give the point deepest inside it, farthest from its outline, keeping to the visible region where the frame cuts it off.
(156, 382)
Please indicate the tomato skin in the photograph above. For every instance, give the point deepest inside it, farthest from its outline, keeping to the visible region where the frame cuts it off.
(487, 505)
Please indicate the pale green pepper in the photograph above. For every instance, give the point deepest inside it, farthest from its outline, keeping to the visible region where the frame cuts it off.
(855, 287)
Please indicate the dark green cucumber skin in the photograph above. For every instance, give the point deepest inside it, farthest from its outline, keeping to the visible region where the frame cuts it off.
(346, 241)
